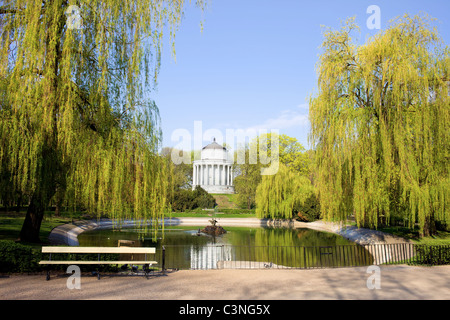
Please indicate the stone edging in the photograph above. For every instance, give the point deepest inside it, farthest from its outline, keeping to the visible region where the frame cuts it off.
(67, 234)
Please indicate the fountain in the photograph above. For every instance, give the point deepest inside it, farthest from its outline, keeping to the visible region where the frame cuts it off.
(213, 229)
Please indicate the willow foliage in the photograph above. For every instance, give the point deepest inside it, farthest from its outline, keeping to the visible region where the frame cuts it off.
(380, 125)
(74, 109)
(277, 195)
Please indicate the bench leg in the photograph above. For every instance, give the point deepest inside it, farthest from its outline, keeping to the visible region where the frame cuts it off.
(96, 273)
(48, 275)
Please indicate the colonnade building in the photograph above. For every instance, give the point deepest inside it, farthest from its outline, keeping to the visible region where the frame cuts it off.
(214, 171)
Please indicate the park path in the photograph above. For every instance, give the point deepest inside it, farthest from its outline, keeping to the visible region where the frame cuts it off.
(399, 282)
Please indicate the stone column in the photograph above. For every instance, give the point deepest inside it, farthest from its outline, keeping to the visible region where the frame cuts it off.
(222, 182)
(231, 175)
(201, 174)
(224, 175)
(216, 175)
(197, 174)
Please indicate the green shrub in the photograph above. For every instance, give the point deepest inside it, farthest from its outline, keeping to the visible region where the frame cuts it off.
(186, 200)
(309, 210)
(19, 258)
(203, 199)
(16, 257)
(432, 255)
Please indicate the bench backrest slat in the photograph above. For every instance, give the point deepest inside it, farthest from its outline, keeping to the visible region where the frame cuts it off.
(75, 249)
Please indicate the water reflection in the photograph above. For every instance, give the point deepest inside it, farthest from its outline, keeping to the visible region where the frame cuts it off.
(240, 247)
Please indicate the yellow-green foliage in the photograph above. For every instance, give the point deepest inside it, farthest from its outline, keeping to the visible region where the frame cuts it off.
(74, 108)
(380, 124)
(277, 194)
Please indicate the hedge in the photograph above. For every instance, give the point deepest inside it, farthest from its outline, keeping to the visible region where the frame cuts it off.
(16, 257)
(19, 258)
(432, 255)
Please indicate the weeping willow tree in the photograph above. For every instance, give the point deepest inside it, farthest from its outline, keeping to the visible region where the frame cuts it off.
(277, 195)
(75, 116)
(380, 125)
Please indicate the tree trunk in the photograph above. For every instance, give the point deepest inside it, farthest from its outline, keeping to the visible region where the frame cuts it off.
(429, 227)
(32, 224)
(43, 193)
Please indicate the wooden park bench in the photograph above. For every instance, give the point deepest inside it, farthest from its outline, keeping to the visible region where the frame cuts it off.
(99, 250)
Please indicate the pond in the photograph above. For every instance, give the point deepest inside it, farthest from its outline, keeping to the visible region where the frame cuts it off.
(240, 247)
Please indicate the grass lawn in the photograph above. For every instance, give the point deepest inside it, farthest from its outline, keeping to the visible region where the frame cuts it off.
(203, 214)
(226, 201)
(440, 238)
(11, 224)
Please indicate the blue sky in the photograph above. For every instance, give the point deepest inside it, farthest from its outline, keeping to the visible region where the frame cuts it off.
(253, 66)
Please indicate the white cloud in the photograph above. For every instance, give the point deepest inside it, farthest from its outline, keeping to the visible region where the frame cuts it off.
(303, 107)
(297, 117)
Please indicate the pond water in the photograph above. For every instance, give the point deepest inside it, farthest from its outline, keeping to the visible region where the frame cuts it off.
(240, 247)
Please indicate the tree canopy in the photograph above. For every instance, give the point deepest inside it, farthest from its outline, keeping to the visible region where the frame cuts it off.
(380, 125)
(274, 195)
(279, 195)
(75, 114)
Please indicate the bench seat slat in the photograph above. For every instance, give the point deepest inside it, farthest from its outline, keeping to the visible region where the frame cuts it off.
(135, 250)
(95, 262)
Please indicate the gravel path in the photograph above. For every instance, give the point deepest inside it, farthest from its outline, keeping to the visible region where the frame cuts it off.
(396, 282)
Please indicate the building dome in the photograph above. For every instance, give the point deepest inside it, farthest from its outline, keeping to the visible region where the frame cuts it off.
(214, 151)
(214, 145)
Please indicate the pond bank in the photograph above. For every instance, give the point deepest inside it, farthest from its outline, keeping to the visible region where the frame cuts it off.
(67, 234)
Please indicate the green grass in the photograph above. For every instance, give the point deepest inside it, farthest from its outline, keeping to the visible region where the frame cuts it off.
(209, 214)
(226, 201)
(11, 224)
(440, 238)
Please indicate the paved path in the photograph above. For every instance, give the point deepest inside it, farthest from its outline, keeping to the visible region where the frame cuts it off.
(397, 282)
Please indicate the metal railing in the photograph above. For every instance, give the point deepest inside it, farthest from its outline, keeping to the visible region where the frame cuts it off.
(299, 257)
